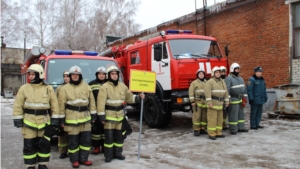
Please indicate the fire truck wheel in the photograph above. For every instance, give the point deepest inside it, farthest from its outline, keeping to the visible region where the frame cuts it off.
(154, 114)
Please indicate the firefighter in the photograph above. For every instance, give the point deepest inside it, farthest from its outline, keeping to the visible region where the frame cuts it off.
(223, 76)
(97, 127)
(216, 94)
(76, 101)
(257, 97)
(197, 99)
(237, 91)
(62, 135)
(110, 107)
(32, 107)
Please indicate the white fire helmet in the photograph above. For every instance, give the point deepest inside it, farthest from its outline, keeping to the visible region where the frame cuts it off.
(200, 70)
(66, 73)
(101, 70)
(75, 70)
(112, 69)
(233, 66)
(37, 68)
(216, 68)
(223, 68)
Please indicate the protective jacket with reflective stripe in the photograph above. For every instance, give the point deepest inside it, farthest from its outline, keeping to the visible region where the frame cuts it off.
(113, 96)
(196, 92)
(36, 97)
(216, 88)
(236, 88)
(95, 86)
(77, 95)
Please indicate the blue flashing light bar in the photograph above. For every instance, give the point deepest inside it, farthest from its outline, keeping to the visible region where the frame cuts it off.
(170, 31)
(69, 52)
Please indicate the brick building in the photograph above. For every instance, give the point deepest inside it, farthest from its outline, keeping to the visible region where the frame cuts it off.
(257, 32)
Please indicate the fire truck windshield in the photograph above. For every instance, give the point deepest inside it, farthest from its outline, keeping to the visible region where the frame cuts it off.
(56, 67)
(194, 48)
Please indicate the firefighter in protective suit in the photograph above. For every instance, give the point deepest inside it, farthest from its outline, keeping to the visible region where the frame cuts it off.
(76, 101)
(237, 91)
(216, 94)
(97, 127)
(225, 113)
(110, 107)
(34, 104)
(197, 99)
(62, 135)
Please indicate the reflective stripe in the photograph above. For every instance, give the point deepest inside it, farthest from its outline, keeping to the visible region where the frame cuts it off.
(58, 116)
(196, 123)
(118, 145)
(114, 101)
(241, 121)
(209, 128)
(62, 145)
(114, 118)
(203, 123)
(202, 105)
(236, 102)
(30, 156)
(191, 98)
(79, 120)
(199, 90)
(95, 86)
(73, 102)
(35, 125)
(108, 145)
(237, 86)
(221, 91)
(84, 148)
(93, 112)
(207, 99)
(36, 105)
(43, 155)
(217, 107)
(96, 135)
(18, 117)
(46, 138)
(245, 95)
(233, 123)
(101, 113)
(74, 150)
(219, 127)
(123, 133)
(226, 99)
(133, 99)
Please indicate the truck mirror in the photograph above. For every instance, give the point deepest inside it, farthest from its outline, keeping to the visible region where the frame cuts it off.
(157, 52)
(226, 50)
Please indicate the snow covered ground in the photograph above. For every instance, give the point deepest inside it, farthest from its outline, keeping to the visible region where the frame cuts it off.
(275, 146)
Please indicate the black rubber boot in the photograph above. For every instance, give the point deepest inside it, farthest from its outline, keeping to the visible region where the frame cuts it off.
(120, 157)
(220, 136)
(243, 130)
(203, 132)
(212, 137)
(196, 133)
(43, 167)
(63, 155)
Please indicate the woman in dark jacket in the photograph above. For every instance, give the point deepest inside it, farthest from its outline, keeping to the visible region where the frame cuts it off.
(257, 96)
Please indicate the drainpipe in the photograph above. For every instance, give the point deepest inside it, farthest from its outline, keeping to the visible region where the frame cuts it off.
(204, 17)
(196, 18)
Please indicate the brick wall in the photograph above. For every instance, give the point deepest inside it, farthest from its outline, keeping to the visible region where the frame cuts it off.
(296, 70)
(256, 32)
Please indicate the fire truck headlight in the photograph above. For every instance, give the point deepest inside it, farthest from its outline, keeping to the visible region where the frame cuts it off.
(186, 100)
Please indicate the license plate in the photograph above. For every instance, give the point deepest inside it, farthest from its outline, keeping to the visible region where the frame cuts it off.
(186, 107)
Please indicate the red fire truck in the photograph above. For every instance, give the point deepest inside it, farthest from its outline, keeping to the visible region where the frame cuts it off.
(175, 56)
(58, 61)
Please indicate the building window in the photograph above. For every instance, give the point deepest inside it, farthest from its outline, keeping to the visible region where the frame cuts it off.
(296, 29)
(134, 57)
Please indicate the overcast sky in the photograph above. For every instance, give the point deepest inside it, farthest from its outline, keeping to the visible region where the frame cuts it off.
(155, 12)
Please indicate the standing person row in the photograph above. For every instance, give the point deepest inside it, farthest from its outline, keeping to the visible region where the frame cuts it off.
(62, 135)
(197, 99)
(36, 111)
(110, 107)
(97, 127)
(237, 91)
(76, 102)
(216, 95)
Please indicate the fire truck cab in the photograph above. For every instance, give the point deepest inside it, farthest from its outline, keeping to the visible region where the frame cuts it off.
(175, 56)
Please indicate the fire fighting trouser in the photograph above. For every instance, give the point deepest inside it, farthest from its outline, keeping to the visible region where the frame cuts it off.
(113, 143)
(214, 122)
(79, 142)
(236, 117)
(63, 142)
(199, 118)
(255, 115)
(97, 134)
(31, 152)
(225, 113)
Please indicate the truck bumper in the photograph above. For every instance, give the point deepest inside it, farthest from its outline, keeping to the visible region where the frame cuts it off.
(180, 100)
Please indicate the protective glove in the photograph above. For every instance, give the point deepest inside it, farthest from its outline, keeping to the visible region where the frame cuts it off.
(102, 118)
(44, 143)
(18, 123)
(250, 101)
